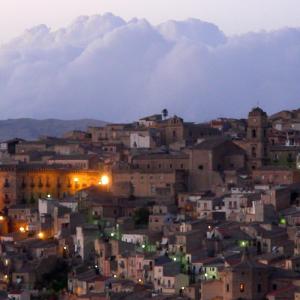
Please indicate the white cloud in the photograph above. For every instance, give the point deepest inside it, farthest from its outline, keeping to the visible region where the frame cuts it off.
(106, 68)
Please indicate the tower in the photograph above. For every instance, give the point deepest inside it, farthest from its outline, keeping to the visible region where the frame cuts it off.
(257, 146)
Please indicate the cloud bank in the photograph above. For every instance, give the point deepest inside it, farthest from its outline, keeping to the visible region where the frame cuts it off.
(103, 67)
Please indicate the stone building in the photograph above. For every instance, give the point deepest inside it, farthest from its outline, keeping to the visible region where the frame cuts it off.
(150, 183)
(257, 138)
(174, 130)
(211, 160)
(276, 175)
(27, 183)
(160, 161)
(247, 280)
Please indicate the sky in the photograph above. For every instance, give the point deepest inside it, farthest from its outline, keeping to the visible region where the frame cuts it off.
(232, 16)
(220, 58)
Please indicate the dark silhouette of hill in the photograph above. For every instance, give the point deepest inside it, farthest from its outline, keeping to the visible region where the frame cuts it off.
(31, 129)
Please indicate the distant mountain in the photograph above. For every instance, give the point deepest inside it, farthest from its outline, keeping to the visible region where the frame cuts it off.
(31, 129)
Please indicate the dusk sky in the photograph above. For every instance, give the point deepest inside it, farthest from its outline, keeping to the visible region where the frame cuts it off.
(117, 60)
(232, 16)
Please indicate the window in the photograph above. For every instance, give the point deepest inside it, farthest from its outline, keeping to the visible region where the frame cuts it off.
(253, 152)
(171, 166)
(227, 288)
(174, 133)
(253, 133)
(6, 183)
(200, 167)
(242, 287)
(259, 288)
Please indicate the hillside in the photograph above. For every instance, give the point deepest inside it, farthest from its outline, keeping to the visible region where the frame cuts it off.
(32, 128)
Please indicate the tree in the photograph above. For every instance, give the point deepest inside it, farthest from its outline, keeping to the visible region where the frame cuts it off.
(141, 216)
(164, 113)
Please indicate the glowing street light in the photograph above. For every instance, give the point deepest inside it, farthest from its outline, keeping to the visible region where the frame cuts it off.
(41, 235)
(22, 229)
(104, 180)
(1, 218)
(282, 221)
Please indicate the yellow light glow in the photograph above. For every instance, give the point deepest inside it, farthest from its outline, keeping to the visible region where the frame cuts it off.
(1, 218)
(76, 179)
(41, 235)
(65, 248)
(5, 277)
(115, 276)
(104, 180)
(22, 229)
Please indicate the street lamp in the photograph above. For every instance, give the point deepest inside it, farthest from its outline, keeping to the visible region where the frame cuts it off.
(104, 180)
(41, 235)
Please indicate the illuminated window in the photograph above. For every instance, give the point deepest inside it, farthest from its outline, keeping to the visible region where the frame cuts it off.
(242, 287)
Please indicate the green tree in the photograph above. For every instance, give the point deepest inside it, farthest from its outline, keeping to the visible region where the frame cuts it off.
(141, 216)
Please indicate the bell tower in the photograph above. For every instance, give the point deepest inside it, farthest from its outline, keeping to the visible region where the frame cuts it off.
(257, 138)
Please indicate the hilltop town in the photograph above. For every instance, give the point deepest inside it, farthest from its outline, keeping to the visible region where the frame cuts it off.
(160, 208)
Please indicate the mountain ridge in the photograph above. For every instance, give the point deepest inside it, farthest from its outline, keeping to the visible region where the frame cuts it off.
(31, 128)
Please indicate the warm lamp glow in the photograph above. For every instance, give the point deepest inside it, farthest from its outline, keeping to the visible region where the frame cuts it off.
(1, 218)
(76, 179)
(104, 180)
(22, 229)
(41, 235)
